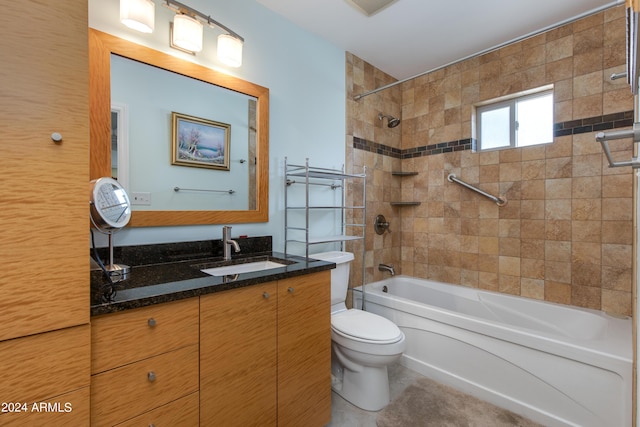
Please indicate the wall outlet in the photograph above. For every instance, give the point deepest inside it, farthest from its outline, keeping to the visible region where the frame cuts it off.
(141, 198)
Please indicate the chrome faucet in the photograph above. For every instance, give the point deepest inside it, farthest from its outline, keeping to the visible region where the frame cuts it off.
(227, 243)
(385, 267)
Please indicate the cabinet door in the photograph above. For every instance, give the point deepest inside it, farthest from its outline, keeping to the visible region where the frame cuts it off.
(44, 238)
(238, 357)
(51, 369)
(69, 409)
(304, 350)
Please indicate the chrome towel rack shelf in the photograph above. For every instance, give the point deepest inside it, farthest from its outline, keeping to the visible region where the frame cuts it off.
(500, 201)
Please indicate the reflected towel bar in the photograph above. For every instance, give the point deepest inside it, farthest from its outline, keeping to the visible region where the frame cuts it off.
(500, 201)
(176, 189)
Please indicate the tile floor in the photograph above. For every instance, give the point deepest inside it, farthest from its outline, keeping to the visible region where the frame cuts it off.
(344, 414)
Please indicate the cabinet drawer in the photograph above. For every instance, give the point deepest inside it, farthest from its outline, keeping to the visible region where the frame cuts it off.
(121, 338)
(125, 392)
(182, 412)
(70, 409)
(37, 367)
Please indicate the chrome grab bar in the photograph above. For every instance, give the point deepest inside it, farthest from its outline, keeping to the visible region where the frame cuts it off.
(616, 76)
(604, 137)
(500, 201)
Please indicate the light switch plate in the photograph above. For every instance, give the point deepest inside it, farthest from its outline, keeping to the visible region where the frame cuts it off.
(141, 198)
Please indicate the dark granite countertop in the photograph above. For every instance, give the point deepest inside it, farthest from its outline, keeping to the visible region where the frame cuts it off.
(170, 281)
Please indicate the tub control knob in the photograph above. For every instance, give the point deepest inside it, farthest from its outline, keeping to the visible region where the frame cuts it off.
(381, 225)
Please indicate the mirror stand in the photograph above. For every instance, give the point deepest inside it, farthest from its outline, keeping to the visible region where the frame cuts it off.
(117, 272)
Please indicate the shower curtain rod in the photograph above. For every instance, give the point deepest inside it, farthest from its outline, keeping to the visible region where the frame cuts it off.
(491, 49)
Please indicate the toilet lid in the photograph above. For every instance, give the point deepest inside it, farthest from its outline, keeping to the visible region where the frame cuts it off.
(365, 326)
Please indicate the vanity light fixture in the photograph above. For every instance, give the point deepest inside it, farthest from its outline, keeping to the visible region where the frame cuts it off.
(138, 14)
(229, 43)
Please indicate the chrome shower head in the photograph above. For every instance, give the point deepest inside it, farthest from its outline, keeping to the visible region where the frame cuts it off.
(391, 121)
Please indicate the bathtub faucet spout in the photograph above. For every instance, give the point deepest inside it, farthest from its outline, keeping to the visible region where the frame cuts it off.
(385, 267)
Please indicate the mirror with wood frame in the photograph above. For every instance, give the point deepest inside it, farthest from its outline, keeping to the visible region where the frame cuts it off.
(101, 48)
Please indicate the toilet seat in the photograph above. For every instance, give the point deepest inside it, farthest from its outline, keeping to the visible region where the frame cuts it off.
(363, 326)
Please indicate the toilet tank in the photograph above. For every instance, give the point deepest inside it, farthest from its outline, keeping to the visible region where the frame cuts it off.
(339, 275)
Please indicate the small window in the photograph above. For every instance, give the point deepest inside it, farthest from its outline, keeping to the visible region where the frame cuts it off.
(516, 122)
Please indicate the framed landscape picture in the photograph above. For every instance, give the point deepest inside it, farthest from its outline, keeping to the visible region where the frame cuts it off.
(199, 142)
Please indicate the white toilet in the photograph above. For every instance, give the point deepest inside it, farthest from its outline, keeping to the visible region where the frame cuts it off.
(363, 343)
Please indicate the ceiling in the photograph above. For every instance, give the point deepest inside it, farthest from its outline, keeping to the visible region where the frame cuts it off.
(410, 37)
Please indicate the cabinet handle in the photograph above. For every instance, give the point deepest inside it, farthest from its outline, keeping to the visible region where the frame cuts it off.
(290, 289)
(152, 425)
(152, 322)
(151, 376)
(266, 295)
(56, 137)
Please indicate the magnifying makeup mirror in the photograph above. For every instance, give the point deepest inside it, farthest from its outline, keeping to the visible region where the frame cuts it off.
(110, 211)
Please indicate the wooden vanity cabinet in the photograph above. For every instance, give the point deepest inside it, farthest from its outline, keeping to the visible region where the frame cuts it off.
(265, 354)
(145, 365)
(254, 356)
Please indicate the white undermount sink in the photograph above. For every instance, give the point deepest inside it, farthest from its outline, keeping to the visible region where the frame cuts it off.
(247, 267)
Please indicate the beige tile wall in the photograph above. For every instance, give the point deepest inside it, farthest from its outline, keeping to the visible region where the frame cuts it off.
(362, 122)
(565, 234)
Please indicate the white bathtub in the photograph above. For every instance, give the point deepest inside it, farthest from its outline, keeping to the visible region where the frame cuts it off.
(555, 364)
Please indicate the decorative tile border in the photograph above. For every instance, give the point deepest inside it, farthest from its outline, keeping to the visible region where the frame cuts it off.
(374, 147)
(443, 147)
(573, 127)
(594, 124)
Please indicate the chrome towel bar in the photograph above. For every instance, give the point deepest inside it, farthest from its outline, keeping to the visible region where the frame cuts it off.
(500, 201)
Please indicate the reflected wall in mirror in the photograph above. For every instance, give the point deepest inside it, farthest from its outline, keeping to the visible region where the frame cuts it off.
(116, 84)
(152, 96)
